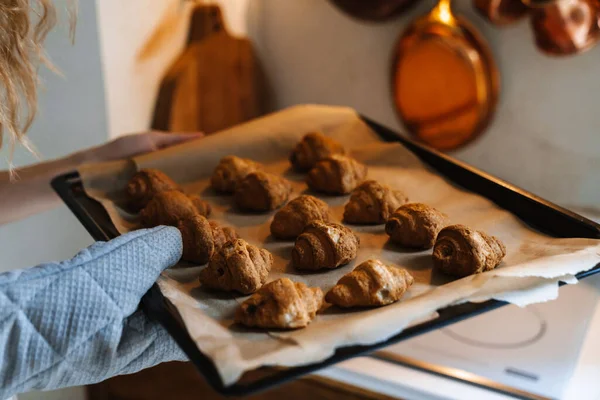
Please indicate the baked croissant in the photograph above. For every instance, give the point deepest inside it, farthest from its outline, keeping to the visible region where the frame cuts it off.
(145, 184)
(415, 225)
(372, 203)
(461, 251)
(262, 191)
(201, 206)
(324, 245)
(237, 266)
(202, 238)
(281, 304)
(313, 147)
(372, 283)
(336, 174)
(289, 222)
(230, 170)
(168, 208)
(222, 234)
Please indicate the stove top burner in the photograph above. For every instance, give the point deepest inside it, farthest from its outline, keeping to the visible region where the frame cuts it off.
(520, 328)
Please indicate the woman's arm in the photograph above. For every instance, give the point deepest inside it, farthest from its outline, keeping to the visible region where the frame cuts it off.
(30, 193)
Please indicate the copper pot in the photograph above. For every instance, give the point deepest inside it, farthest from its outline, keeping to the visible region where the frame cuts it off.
(564, 27)
(374, 10)
(445, 80)
(501, 12)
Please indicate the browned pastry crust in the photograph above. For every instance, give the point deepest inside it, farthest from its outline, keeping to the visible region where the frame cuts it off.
(289, 222)
(313, 147)
(202, 206)
(262, 191)
(461, 251)
(324, 245)
(372, 203)
(230, 170)
(145, 184)
(281, 304)
(372, 283)
(201, 238)
(336, 174)
(237, 266)
(196, 234)
(168, 208)
(222, 234)
(415, 225)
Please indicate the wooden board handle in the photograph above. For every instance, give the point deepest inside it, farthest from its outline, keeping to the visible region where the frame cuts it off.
(206, 20)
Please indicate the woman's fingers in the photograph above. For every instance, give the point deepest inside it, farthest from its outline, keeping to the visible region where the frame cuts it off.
(136, 144)
(163, 140)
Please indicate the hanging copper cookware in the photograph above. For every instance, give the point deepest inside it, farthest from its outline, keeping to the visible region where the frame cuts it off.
(374, 10)
(501, 12)
(445, 80)
(564, 27)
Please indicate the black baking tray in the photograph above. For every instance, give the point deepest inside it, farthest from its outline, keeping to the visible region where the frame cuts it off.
(538, 213)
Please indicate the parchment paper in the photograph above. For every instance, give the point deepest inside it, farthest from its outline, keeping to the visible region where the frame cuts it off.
(530, 273)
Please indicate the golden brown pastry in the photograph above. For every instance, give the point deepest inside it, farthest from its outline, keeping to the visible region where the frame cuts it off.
(262, 191)
(202, 238)
(201, 206)
(237, 266)
(336, 174)
(415, 225)
(461, 251)
(313, 147)
(168, 208)
(372, 283)
(230, 170)
(222, 234)
(145, 184)
(289, 222)
(281, 304)
(372, 203)
(324, 245)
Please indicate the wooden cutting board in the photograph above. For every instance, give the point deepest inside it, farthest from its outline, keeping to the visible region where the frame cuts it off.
(214, 84)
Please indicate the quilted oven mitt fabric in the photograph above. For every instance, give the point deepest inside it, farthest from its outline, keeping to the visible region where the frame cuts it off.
(77, 322)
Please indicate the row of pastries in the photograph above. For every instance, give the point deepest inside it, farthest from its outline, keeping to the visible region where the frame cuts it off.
(320, 243)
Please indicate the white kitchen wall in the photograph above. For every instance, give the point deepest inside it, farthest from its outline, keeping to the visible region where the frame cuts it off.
(139, 39)
(546, 134)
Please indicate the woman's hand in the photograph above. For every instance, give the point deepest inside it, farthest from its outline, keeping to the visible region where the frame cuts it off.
(31, 193)
(133, 145)
(77, 322)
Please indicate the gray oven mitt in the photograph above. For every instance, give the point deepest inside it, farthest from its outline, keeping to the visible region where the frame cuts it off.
(77, 322)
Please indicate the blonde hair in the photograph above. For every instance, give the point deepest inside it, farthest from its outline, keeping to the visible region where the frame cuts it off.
(24, 25)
